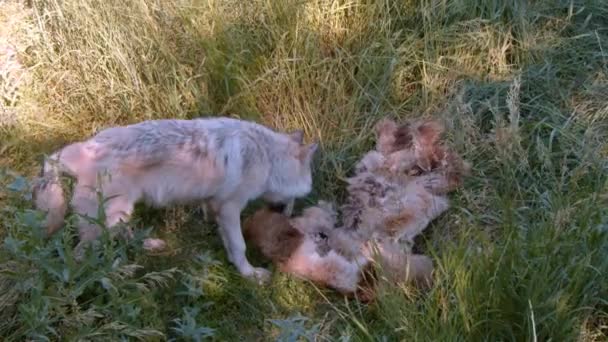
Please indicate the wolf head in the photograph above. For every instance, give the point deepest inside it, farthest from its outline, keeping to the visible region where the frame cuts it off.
(291, 168)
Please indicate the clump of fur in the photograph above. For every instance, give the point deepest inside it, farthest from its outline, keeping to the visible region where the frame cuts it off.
(296, 246)
(397, 190)
(401, 186)
(310, 247)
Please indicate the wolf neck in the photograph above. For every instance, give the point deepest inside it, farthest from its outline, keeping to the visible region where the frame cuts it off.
(286, 179)
(271, 147)
(280, 175)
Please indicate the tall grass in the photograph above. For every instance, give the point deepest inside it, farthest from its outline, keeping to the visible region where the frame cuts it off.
(522, 86)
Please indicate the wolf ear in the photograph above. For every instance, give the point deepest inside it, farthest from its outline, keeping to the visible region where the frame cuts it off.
(308, 151)
(297, 136)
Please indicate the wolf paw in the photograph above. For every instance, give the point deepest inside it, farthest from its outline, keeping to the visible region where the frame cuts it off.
(260, 275)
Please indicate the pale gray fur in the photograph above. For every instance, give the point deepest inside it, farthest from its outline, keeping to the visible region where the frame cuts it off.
(225, 162)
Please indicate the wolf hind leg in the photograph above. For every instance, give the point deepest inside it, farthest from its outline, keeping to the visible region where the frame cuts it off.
(85, 204)
(119, 210)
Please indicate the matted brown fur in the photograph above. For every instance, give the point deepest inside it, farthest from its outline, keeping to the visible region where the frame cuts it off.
(393, 224)
(406, 179)
(292, 244)
(272, 234)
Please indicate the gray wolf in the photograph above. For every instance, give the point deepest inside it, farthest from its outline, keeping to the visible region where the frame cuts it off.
(222, 161)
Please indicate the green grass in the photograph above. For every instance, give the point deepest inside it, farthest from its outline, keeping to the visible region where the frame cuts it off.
(522, 86)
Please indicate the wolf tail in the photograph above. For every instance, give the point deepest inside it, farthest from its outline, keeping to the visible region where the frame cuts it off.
(48, 194)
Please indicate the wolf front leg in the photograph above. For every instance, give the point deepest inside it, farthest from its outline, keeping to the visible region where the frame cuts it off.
(288, 210)
(229, 220)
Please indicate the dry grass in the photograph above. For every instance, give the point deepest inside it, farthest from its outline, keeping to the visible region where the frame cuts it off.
(522, 87)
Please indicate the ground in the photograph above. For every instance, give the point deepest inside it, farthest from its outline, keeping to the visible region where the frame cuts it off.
(522, 86)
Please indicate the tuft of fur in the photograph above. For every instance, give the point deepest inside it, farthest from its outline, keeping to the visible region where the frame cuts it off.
(401, 267)
(399, 188)
(379, 206)
(272, 234)
(386, 130)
